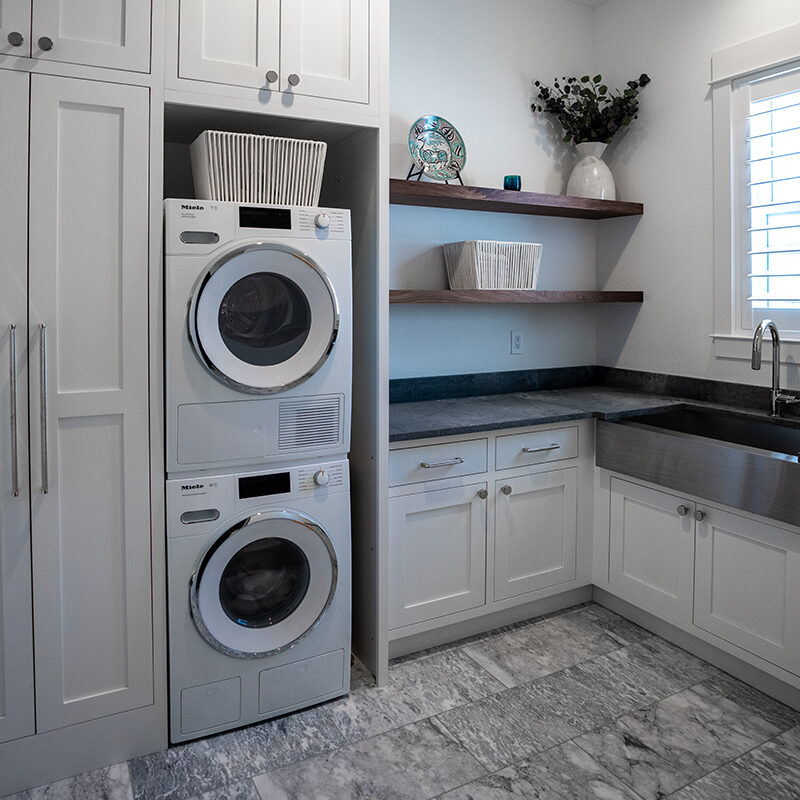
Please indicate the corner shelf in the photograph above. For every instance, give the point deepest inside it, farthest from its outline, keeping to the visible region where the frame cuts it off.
(510, 296)
(478, 198)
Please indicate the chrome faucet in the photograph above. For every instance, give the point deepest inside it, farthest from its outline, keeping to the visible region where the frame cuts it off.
(776, 396)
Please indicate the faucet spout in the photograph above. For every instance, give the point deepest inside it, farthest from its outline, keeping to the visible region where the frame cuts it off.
(755, 360)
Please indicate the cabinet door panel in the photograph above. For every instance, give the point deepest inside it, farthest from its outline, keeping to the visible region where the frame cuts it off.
(88, 284)
(100, 33)
(16, 653)
(437, 552)
(535, 532)
(747, 586)
(234, 42)
(652, 549)
(326, 44)
(15, 18)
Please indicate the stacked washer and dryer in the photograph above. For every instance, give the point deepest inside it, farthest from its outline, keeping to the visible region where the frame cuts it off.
(258, 384)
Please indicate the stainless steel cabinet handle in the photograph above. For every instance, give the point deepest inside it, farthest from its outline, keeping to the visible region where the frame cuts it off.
(699, 515)
(45, 43)
(43, 404)
(16, 39)
(435, 464)
(506, 490)
(294, 79)
(272, 76)
(12, 329)
(553, 446)
(683, 511)
(483, 494)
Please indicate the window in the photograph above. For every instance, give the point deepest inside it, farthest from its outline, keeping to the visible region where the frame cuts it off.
(756, 100)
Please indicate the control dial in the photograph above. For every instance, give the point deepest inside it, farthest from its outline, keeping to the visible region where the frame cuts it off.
(322, 220)
(321, 478)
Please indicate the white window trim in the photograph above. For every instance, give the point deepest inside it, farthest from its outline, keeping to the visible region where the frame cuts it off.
(765, 52)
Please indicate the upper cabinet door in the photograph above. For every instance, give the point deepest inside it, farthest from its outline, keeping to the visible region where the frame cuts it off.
(99, 33)
(16, 658)
(234, 42)
(15, 27)
(90, 467)
(325, 49)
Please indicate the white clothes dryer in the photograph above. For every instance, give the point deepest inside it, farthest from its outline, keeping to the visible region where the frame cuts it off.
(259, 595)
(258, 334)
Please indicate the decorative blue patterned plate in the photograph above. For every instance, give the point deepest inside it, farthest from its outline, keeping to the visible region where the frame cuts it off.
(437, 148)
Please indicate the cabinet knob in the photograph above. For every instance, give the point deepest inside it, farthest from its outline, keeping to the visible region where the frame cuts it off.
(483, 494)
(45, 43)
(683, 511)
(16, 39)
(294, 79)
(699, 515)
(272, 76)
(506, 489)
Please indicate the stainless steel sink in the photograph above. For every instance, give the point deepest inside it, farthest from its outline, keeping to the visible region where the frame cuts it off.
(741, 461)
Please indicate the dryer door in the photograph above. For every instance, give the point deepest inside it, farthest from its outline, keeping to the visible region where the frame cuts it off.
(264, 584)
(263, 318)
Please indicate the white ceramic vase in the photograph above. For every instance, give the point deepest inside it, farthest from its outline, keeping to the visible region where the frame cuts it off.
(591, 176)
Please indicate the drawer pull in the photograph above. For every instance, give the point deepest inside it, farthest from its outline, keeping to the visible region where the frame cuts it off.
(451, 462)
(546, 449)
(683, 511)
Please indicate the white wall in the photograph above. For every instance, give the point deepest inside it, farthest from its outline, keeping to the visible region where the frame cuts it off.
(472, 62)
(665, 160)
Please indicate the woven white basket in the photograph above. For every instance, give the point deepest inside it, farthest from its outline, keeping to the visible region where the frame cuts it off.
(246, 168)
(492, 265)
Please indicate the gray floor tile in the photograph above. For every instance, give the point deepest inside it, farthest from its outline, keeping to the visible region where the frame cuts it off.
(416, 762)
(358, 671)
(416, 689)
(557, 774)
(769, 772)
(111, 783)
(244, 790)
(197, 767)
(662, 748)
(532, 652)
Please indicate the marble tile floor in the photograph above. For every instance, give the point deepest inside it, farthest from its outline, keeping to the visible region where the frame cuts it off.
(578, 705)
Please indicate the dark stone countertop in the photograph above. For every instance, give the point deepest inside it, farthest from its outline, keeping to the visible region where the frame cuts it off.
(466, 415)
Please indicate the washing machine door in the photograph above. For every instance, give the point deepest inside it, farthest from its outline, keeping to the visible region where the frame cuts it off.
(264, 584)
(263, 318)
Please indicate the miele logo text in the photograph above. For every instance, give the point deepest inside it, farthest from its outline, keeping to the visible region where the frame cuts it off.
(189, 487)
(185, 207)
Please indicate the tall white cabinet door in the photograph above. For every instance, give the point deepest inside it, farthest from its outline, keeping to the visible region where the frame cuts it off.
(437, 552)
(536, 531)
(747, 586)
(325, 45)
(88, 285)
(16, 655)
(651, 557)
(100, 33)
(235, 42)
(15, 27)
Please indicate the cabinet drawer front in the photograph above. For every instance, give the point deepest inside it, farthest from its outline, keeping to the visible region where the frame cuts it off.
(431, 462)
(537, 447)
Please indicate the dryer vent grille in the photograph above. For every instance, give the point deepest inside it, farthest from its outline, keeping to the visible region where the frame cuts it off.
(308, 424)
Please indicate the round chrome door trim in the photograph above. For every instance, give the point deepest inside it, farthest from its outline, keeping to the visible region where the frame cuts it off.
(196, 341)
(256, 633)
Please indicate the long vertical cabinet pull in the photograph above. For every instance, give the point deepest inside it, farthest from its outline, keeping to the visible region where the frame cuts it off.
(43, 405)
(12, 333)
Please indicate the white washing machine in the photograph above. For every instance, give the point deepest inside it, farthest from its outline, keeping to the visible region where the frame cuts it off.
(259, 595)
(258, 334)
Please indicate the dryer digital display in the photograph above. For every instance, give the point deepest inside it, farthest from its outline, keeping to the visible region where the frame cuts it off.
(264, 485)
(261, 217)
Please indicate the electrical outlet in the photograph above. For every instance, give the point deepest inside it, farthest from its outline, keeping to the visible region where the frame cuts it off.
(516, 343)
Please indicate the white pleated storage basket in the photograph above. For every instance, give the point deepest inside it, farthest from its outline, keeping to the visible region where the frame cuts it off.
(492, 265)
(247, 168)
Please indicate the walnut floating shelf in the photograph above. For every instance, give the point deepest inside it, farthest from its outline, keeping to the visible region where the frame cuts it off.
(509, 296)
(477, 198)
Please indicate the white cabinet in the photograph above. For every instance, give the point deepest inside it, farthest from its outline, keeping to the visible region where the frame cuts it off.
(536, 532)
(747, 585)
(308, 47)
(84, 355)
(437, 553)
(99, 33)
(651, 548)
